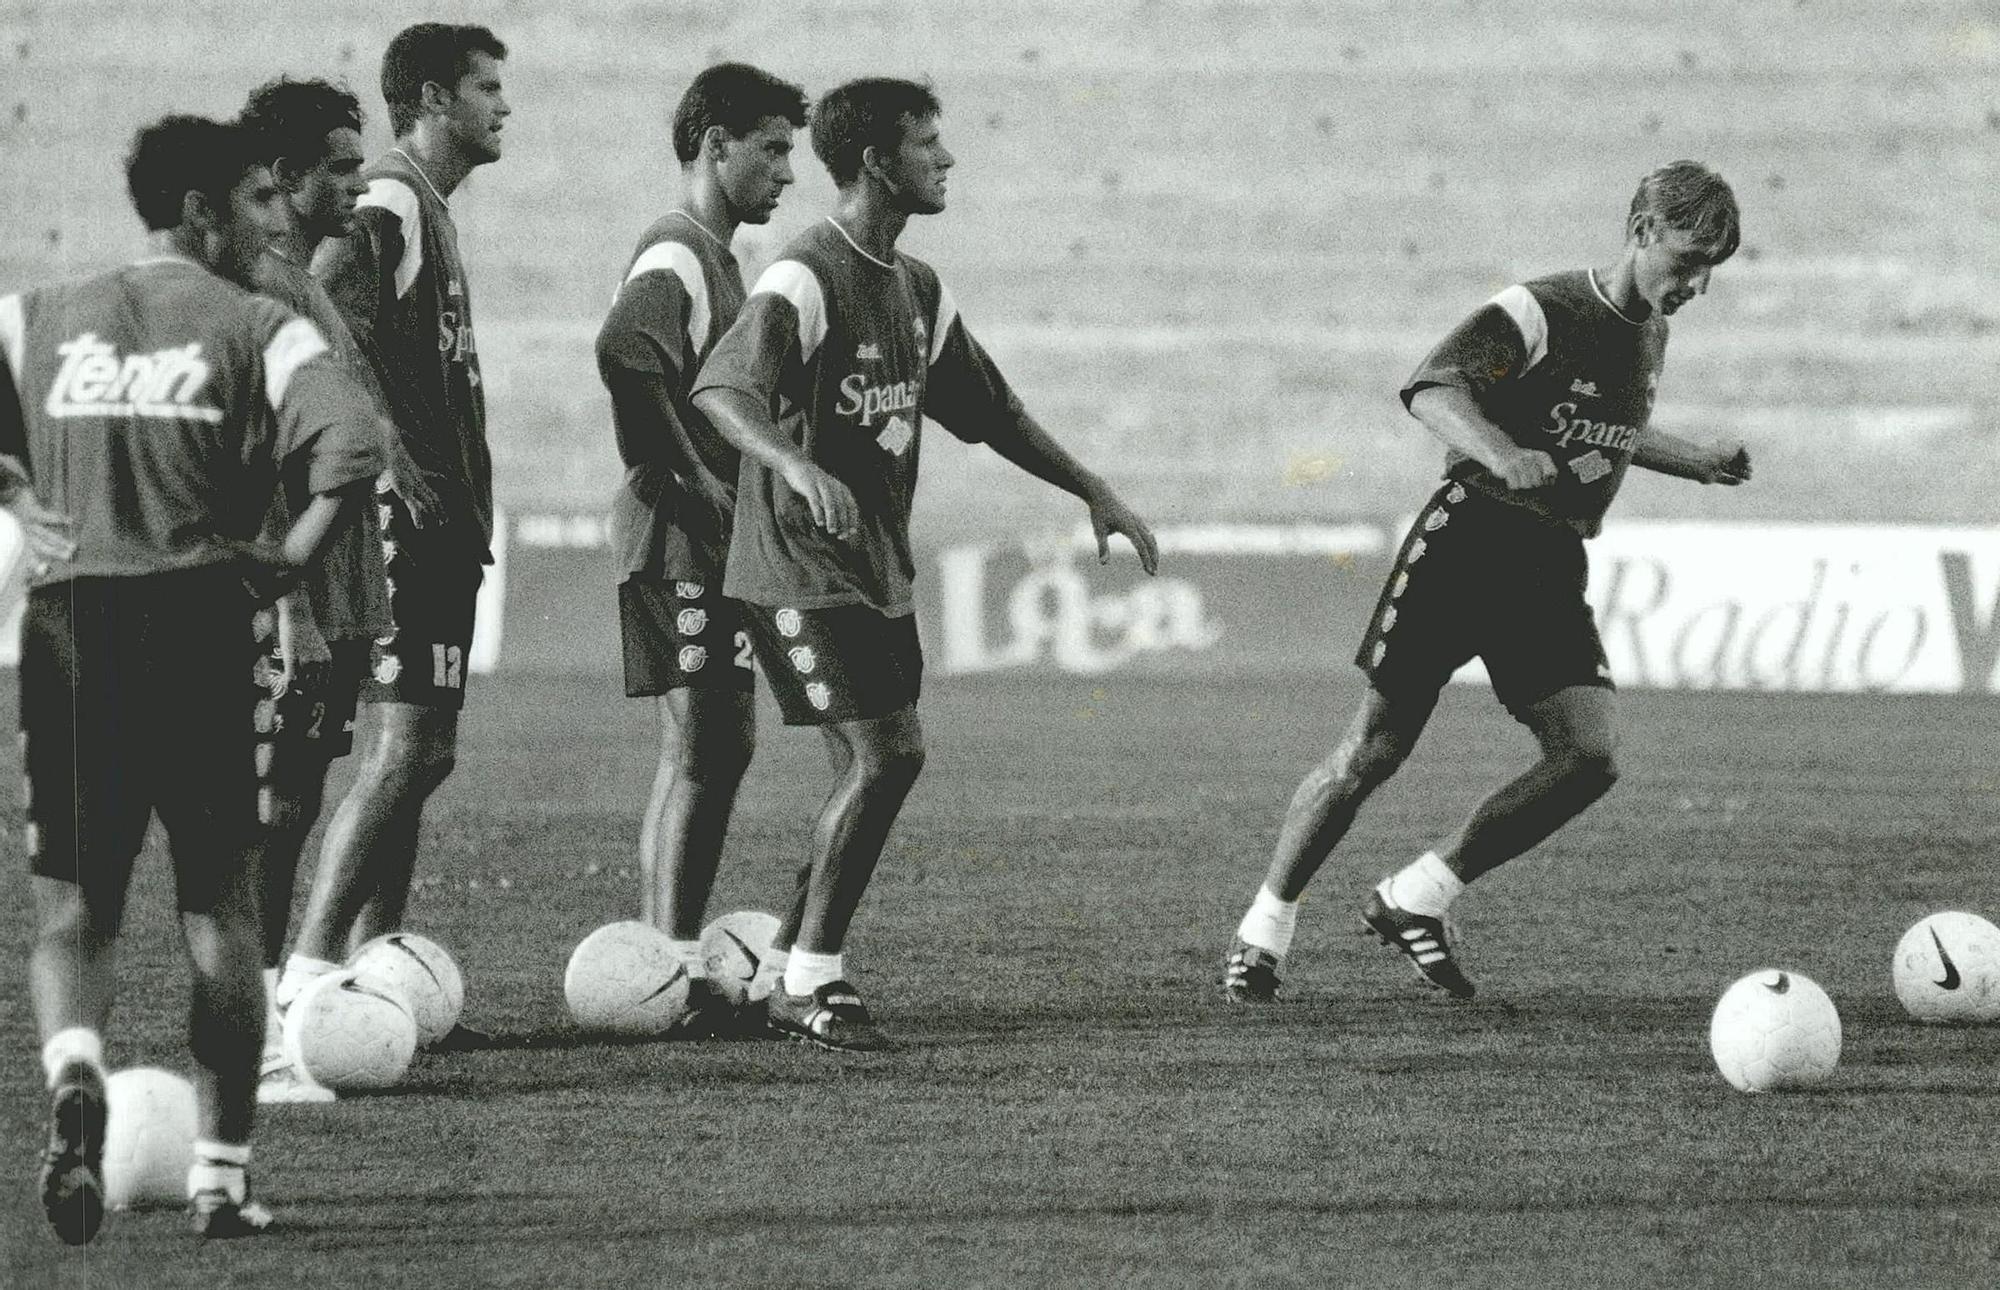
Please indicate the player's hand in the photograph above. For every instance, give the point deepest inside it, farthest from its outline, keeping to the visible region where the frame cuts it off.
(833, 506)
(406, 480)
(48, 534)
(1525, 469)
(265, 572)
(1731, 466)
(1108, 515)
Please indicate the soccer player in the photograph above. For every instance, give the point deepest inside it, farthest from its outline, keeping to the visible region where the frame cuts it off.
(1541, 398)
(843, 347)
(398, 281)
(157, 405)
(311, 135)
(684, 641)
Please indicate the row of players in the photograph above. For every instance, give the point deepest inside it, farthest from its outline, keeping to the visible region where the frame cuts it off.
(771, 441)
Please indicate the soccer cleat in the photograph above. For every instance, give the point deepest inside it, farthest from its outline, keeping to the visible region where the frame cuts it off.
(73, 1162)
(709, 1013)
(1421, 939)
(831, 1017)
(281, 1082)
(218, 1216)
(1249, 974)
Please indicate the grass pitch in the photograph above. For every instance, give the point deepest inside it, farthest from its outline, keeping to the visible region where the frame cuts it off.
(1075, 1107)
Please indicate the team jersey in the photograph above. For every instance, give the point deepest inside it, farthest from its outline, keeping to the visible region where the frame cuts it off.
(154, 404)
(399, 283)
(849, 354)
(346, 588)
(1559, 370)
(682, 290)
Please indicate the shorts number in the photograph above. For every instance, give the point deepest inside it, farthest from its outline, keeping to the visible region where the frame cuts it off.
(447, 667)
(742, 659)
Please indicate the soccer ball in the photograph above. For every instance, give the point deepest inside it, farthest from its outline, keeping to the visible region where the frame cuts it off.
(1773, 1030)
(425, 974)
(626, 979)
(350, 1031)
(1947, 968)
(149, 1127)
(738, 950)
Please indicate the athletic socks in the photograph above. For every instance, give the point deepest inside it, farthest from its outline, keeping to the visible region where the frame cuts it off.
(689, 953)
(300, 972)
(77, 1044)
(219, 1166)
(1270, 923)
(1425, 886)
(806, 971)
(274, 1020)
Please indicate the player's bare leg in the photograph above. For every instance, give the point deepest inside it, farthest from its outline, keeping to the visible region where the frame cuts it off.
(369, 853)
(1377, 741)
(1578, 732)
(877, 762)
(707, 738)
(225, 948)
(70, 978)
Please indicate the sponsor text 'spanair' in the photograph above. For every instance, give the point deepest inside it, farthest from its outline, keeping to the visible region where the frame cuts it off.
(95, 382)
(865, 402)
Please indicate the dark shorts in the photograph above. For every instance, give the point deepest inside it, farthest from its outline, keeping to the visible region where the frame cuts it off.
(1479, 578)
(309, 723)
(847, 663)
(681, 633)
(133, 702)
(427, 659)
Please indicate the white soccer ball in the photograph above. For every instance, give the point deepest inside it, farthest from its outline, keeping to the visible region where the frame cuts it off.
(349, 1031)
(425, 974)
(1772, 1030)
(1947, 968)
(741, 959)
(149, 1127)
(626, 979)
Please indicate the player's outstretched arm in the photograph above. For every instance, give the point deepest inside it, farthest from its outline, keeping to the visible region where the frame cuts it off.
(1454, 416)
(1036, 451)
(740, 419)
(1670, 454)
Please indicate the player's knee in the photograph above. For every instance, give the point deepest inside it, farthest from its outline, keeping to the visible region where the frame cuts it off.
(718, 759)
(1373, 758)
(1592, 760)
(896, 764)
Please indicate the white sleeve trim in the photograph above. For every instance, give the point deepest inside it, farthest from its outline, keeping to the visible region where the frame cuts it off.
(796, 283)
(13, 334)
(296, 343)
(672, 257)
(947, 314)
(1520, 304)
(400, 200)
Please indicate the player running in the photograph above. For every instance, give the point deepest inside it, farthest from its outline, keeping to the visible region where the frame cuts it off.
(843, 348)
(158, 404)
(400, 285)
(685, 642)
(313, 669)
(1541, 398)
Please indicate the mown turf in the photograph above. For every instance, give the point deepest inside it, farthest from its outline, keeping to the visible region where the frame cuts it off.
(1074, 1107)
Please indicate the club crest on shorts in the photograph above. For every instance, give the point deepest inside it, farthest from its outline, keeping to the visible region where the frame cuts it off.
(1435, 521)
(819, 695)
(388, 668)
(389, 548)
(788, 622)
(689, 590)
(802, 657)
(1417, 549)
(693, 657)
(1388, 618)
(1455, 494)
(1381, 648)
(691, 621)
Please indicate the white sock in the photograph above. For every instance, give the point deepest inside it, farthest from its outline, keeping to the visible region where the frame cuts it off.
(274, 1021)
(806, 971)
(689, 953)
(1424, 886)
(219, 1166)
(1270, 923)
(300, 972)
(77, 1044)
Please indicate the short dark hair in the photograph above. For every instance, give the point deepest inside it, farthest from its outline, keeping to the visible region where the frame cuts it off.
(737, 97)
(181, 154)
(292, 118)
(868, 113)
(1688, 196)
(429, 51)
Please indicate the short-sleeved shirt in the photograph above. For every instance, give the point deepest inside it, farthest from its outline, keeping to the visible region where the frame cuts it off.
(346, 586)
(1561, 371)
(849, 354)
(154, 405)
(682, 290)
(400, 284)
